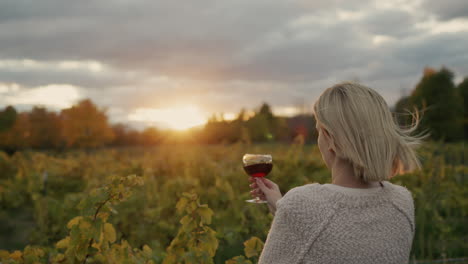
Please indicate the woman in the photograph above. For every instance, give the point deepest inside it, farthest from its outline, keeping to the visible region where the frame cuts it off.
(360, 217)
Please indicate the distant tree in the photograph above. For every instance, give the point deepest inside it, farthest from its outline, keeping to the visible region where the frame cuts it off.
(45, 128)
(133, 138)
(402, 106)
(122, 135)
(268, 126)
(303, 126)
(463, 91)
(19, 135)
(7, 118)
(85, 126)
(120, 132)
(240, 130)
(281, 129)
(261, 125)
(437, 92)
(265, 110)
(439, 103)
(218, 131)
(242, 116)
(150, 136)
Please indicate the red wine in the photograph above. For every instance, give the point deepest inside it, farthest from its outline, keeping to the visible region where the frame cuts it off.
(258, 170)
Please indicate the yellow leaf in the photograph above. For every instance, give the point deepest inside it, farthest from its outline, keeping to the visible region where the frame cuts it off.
(63, 243)
(185, 220)
(205, 214)
(109, 232)
(16, 255)
(98, 244)
(170, 259)
(238, 260)
(103, 216)
(85, 225)
(74, 221)
(147, 250)
(181, 204)
(59, 258)
(253, 247)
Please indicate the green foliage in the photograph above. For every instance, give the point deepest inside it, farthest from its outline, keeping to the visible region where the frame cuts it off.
(195, 242)
(252, 248)
(90, 235)
(463, 91)
(7, 118)
(42, 194)
(90, 239)
(440, 193)
(441, 104)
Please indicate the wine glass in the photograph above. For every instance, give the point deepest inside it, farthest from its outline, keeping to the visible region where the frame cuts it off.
(257, 165)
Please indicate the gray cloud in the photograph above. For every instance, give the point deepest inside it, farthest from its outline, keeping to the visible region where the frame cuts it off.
(225, 55)
(397, 23)
(447, 49)
(42, 77)
(447, 9)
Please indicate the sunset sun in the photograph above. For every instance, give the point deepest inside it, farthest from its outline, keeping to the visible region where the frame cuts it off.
(178, 118)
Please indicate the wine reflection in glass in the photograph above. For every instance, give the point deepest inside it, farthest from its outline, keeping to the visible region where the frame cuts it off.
(257, 165)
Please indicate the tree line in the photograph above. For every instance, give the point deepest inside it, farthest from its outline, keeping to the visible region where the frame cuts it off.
(85, 125)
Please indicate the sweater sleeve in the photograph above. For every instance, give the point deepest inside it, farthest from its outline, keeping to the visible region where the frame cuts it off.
(298, 221)
(404, 202)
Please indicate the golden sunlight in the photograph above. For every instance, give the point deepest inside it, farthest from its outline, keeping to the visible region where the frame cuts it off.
(179, 118)
(52, 95)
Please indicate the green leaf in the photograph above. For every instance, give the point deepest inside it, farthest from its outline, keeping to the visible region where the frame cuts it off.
(97, 226)
(81, 251)
(181, 204)
(185, 220)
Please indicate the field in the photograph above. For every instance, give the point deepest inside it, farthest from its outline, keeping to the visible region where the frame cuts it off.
(41, 192)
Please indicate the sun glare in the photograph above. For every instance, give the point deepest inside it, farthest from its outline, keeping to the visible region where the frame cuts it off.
(178, 118)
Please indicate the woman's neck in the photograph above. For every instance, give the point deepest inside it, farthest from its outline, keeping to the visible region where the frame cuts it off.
(343, 175)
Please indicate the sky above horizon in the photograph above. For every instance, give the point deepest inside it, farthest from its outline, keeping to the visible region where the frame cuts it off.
(174, 63)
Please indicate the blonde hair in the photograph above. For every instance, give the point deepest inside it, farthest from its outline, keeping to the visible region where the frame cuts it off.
(363, 132)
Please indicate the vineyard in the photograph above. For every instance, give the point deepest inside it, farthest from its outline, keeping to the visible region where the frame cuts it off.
(185, 204)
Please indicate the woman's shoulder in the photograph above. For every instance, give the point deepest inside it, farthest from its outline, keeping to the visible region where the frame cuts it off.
(309, 194)
(303, 191)
(401, 195)
(304, 206)
(322, 194)
(316, 202)
(399, 189)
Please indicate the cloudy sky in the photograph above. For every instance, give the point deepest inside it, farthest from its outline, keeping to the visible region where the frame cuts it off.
(155, 62)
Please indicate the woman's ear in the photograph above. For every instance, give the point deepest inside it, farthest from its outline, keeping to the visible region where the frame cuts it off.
(331, 142)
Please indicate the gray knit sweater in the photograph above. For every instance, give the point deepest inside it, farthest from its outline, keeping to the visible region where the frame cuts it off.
(328, 223)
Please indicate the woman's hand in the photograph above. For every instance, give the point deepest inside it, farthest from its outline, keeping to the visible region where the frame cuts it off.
(265, 190)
